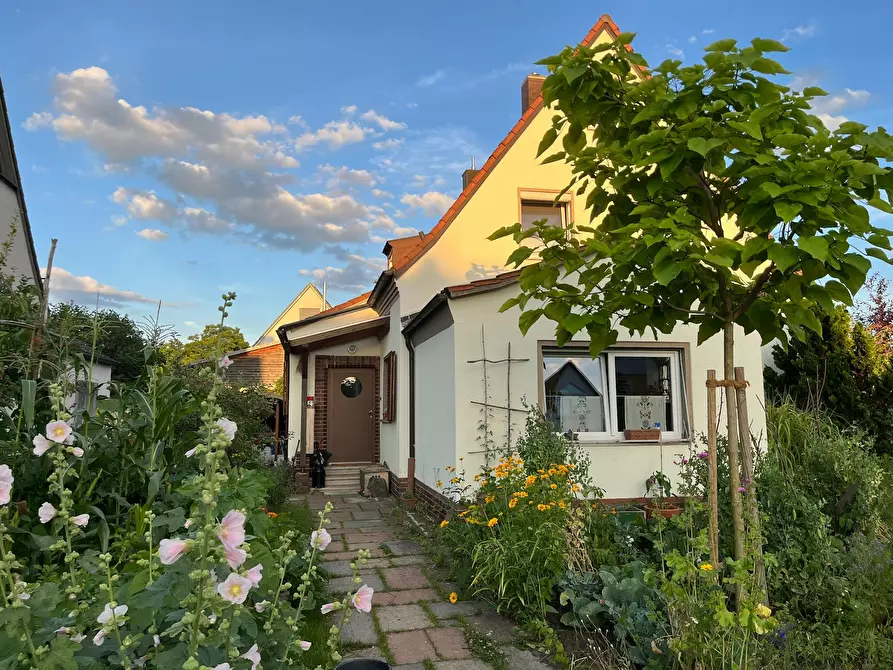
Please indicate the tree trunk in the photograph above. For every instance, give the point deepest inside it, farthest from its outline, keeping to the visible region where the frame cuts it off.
(732, 441)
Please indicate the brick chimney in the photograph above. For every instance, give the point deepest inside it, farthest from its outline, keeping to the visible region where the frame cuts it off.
(467, 176)
(530, 89)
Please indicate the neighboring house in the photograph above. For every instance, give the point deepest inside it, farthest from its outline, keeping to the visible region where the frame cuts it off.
(86, 396)
(395, 376)
(22, 260)
(262, 362)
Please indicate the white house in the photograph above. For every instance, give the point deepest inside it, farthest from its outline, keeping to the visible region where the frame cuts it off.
(22, 261)
(397, 376)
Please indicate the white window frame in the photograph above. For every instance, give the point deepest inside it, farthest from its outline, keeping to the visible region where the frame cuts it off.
(613, 434)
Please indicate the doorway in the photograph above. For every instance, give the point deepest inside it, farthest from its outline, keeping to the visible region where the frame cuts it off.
(350, 414)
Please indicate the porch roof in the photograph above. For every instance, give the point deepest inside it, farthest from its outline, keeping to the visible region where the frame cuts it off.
(353, 331)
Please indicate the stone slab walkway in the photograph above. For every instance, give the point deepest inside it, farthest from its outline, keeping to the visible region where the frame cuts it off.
(413, 625)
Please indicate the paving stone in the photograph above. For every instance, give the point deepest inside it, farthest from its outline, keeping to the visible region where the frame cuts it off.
(366, 652)
(449, 643)
(338, 568)
(359, 630)
(403, 597)
(354, 500)
(341, 555)
(451, 611)
(377, 536)
(524, 659)
(467, 664)
(361, 514)
(411, 647)
(402, 617)
(409, 577)
(404, 547)
(356, 546)
(363, 524)
(378, 563)
(498, 628)
(410, 560)
(345, 584)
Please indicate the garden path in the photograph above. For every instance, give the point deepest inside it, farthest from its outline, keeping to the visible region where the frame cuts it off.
(413, 624)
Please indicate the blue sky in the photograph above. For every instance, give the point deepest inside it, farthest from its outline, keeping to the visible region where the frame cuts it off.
(180, 149)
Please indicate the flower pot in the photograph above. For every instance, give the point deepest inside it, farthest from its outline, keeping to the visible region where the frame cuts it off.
(363, 664)
(666, 512)
(650, 434)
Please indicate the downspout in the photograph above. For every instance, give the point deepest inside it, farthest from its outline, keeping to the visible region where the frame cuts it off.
(305, 356)
(286, 358)
(410, 470)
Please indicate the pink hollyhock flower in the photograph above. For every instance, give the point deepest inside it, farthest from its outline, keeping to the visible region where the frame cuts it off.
(224, 362)
(65, 630)
(362, 599)
(80, 520)
(252, 655)
(187, 524)
(320, 539)
(41, 445)
(170, 551)
(228, 427)
(108, 614)
(191, 452)
(59, 431)
(46, 513)
(234, 588)
(77, 451)
(5, 491)
(223, 666)
(255, 574)
(235, 556)
(6, 475)
(261, 606)
(703, 455)
(99, 638)
(232, 529)
(303, 644)
(741, 489)
(328, 607)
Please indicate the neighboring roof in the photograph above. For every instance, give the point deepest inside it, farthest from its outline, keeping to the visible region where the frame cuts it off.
(570, 371)
(605, 23)
(250, 350)
(271, 330)
(402, 249)
(354, 303)
(17, 187)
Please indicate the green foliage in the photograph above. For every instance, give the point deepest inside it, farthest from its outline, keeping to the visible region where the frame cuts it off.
(840, 371)
(540, 447)
(716, 196)
(214, 340)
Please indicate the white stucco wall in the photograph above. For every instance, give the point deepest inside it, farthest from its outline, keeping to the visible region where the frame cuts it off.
(333, 322)
(100, 375)
(436, 407)
(619, 468)
(395, 434)
(19, 261)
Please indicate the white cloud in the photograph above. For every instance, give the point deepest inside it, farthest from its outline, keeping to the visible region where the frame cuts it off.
(191, 324)
(432, 203)
(297, 120)
(356, 274)
(439, 152)
(431, 79)
(467, 82)
(390, 143)
(347, 110)
(152, 234)
(119, 220)
(707, 31)
(378, 193)
(675, 51)
(335, 134)
(828, 108)
(67, 287)
(145, 205)
(802, 32)
(345, 177)
(37, 120)
(383, 122)
(692, 39)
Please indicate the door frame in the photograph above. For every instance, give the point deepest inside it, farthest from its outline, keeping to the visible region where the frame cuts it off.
(321, 392)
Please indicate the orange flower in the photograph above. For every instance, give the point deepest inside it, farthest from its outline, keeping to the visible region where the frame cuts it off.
(530, 481)
(489, 499)
(561, 504)
(512, 503)
(542, 508)
(575, 488)
(454, 597)
(272, 515)
(492, 522)
(553, 486)
(520, 494)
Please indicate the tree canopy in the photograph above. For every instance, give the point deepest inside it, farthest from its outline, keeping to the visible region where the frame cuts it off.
(212, 341)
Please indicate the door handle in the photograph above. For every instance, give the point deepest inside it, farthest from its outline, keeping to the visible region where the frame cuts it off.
(370, 413)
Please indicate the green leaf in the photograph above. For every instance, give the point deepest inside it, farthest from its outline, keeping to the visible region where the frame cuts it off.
(784, 257)
(839, 292)
(877, 253)
(574, 323)
(851, 128)
(774, 190)
(750, 127)
(814, 91)
(572, 73)
(669, 165)
(789, 140)
(754, 246)
(881, 241)
(708, 329)
(817, 247)
(505, 231)
(548, 140)
(29, 393)
(667, 271)
(508, 304)
(519, 255)
(716, 259)
(762, 44)
(882, 205)
(788, 211)
(527, 319)
(820, 295)
(703, 146)
(721, 45)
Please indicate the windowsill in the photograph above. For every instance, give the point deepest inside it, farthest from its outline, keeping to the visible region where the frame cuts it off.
(674, 441)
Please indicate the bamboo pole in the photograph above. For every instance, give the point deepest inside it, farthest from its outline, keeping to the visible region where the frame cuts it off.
(750, 496)
(713, 486)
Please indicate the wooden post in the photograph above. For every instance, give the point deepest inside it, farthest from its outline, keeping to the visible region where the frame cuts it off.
(713, 486)
(276, 431)
(750, 496)
(37, 337)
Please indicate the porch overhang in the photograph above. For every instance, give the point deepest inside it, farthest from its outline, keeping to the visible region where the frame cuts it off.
(355, 331)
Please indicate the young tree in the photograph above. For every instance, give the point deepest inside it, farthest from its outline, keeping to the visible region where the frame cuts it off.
(721, 201)
(203, 346)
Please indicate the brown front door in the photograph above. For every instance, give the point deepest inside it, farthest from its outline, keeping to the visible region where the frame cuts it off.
(351, 410)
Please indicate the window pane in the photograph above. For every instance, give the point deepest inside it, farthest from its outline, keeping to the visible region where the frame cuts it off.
(575, 393)
(531, 213)
(644, 392)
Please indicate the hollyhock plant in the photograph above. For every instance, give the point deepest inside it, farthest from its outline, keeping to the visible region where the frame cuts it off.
(234, 588)
(41, 445)
(224, 362)
(362, 599)
(108, 614)
(228, 427)
(6, 480)
(99, 638)
(320, 539)
(329, 607)
(191, 452)
(255, 574)
(80, 520)
(252, 655)
(170, 551)
(59, 431)
(77, 452)
(47, 512)
(235, 557)
(232, 529)
(303, 644)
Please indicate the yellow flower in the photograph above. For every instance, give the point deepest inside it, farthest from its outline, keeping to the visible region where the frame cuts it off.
(489, 499)
(613, 510)
(706, 567)
(575, 488)
(553, 486)
(483, 482)
(544, 476)
(542, 508)
(454, 597)
(454, 480)
(492, 522)
(444, 523)
(439, 484)
(763, 611)
(530, 481)
(512, 503)
(561, 504)
(520, 494)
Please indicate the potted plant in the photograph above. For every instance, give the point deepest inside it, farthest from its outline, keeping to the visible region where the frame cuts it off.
(657, 489)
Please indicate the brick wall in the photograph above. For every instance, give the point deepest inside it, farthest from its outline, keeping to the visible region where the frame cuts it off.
(321, 394)
(260, 366)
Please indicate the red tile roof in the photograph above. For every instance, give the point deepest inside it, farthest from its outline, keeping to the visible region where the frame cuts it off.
(482, 285)
(604, 23)
(353, 302)
(402, 249)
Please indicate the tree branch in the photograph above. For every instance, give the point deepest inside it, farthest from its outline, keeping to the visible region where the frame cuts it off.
(754, 291)
(714, 223)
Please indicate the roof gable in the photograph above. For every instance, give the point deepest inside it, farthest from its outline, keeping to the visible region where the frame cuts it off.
(308, 294)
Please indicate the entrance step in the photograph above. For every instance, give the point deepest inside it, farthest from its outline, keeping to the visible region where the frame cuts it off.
(342, 479)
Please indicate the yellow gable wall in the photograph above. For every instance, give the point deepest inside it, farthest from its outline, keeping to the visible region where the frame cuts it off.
(309, 298)
(463, 253)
